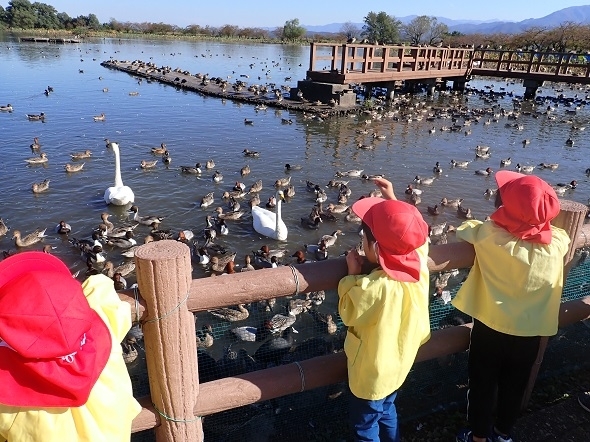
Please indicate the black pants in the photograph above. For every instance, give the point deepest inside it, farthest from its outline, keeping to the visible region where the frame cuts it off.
(498, 364)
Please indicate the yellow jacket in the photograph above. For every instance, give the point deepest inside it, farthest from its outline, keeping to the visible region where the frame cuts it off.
(514, 286)
(107, 415)
(387, 322)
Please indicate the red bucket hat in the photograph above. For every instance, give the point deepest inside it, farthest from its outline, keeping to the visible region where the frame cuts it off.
(53, 345)
(528, 206)
(399, 230)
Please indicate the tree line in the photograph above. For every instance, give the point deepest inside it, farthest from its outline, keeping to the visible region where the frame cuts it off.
(378, 28)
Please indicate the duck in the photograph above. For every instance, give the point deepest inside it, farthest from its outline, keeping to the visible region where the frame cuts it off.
(300, 258)
(207, 200)
(123, 242)
(196, 170)
(251, 153)
(274, 350)
(424, 181)
(352, 217)
(255, 200)
(272, 202)
(270, 253)
(379, 137)
(28, 240)
(326, 321)
(160, 234)
(124, 269)
(312, 223)
(63, 228)
(505, 162)
(248, 122)
(248, 267)
(483, 156)
(336, 183)
(464, 212)
(210, 164)
(292, 167)
(71, 168)
(482, 149)
(146, 220)
(325, 216)
(245, 170)
(571, 185)
(40, 187)
(437, 169)
(290, 192)
(119, 194)
(551, 166)
(119, 283)
(350, 173)
(249, 333)
(462, 164)
(330, 240)
(204, 337)
(432, 130)
(219, 263)
(217, 177)
(437, 229)
(41, 159)
(524, 169)
(433, 210)
(228, 215)
(366, 177)
(270, 224)
(130, 252)
(101, 117)
(109, 228)
(35, 145)
(278, 322)
(337, 208)
(569, 142)
(283, 182)
(36, 117)
(148, 164)
(450, 203)
(484, 172)
(230, 314)
(7, 108)
(81, 155)
(201, 255)
(321, 195)
(410, 190)
(166, 158)
(160, 150)
(297, 306)
(3, 228)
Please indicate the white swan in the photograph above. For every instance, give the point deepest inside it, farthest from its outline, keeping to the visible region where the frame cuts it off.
(269, 223)
(118, 195)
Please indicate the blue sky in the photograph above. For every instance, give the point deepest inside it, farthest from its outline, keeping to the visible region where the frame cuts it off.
(270, 13)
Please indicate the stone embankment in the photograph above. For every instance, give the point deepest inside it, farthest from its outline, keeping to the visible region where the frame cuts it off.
(273, 95)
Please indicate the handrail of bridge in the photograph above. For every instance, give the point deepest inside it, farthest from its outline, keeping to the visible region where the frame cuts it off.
(363, 58)
(556, 63)
(169, 295)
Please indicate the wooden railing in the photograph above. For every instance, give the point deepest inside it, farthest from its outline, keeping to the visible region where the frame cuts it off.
(169, 295)
(552, 66)
(369, 63)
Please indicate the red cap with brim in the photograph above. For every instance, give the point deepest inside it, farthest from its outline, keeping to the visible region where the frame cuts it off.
(399, 230)
(53, 345)
(528, 206)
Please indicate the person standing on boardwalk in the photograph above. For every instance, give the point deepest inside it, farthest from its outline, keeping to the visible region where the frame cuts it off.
(386, 311)
(513, 293)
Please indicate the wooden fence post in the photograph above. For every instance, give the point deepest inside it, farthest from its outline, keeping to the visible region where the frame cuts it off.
(164, 276)
(570, 218)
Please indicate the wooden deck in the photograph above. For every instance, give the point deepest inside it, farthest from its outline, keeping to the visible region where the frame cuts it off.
(548, 66)
(358, 63)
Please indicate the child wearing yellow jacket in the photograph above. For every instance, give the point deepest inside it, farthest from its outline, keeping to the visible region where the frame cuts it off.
(513, 293)
(62, 373)
(386, 311)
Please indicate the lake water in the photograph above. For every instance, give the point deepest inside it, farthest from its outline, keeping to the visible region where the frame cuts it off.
(197, 128)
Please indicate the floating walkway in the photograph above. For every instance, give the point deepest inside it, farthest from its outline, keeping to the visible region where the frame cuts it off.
(49, 40)
(238, 90)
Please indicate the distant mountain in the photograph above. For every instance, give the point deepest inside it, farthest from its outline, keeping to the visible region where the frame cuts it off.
(575, 14)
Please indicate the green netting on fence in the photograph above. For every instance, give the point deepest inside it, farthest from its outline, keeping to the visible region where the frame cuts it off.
(321, 414)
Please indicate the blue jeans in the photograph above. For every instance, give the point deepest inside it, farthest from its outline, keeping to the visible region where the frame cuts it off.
(374, 421)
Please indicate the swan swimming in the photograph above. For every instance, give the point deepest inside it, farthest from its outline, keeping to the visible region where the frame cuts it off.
(118, 195)
(269, 223)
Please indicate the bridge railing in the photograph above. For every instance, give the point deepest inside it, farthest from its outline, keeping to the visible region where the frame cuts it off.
(532, 62)
(169, 296)
(363, 58)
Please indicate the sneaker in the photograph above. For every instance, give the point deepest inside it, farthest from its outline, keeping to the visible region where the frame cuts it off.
(584, 400)
(466, 435)
(496, 437)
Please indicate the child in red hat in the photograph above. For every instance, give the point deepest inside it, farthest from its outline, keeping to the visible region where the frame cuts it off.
(386, 311)
(513, 293)
(62, 374)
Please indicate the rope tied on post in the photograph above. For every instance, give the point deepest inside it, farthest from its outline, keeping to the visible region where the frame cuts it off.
(302, 375)
(172, 419)
(296, 278)
(167, 313)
